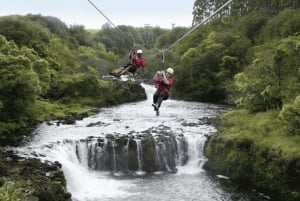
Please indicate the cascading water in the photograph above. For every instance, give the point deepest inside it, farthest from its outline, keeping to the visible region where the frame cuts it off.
(128, 153)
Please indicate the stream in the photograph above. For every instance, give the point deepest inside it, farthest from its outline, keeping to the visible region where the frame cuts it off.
(104, 156)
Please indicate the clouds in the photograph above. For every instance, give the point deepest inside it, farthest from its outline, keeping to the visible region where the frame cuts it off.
(136, 13)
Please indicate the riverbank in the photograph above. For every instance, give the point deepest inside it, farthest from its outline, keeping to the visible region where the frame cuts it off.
(69, 109)
(256, 151)
(25, 179)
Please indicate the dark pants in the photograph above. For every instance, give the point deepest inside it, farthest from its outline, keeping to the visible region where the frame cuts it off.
(159, 96)
(130, 68)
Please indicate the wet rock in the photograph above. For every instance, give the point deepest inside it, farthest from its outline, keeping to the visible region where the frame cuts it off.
(69, 120)
(109, 136)
(99, 123)
(190, 124)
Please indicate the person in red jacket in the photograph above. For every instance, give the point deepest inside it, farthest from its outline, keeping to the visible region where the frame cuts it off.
(164, 82)
(137, 61)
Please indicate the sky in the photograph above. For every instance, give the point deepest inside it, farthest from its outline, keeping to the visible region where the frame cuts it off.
(137, 13)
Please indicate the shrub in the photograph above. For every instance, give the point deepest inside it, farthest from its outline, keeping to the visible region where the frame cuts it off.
(290, 115)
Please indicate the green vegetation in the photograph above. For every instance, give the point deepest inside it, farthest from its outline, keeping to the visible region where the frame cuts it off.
(11, 191)
(290, 116)
(49, 71)
(257, 149)
(247, 56)
(239, 60)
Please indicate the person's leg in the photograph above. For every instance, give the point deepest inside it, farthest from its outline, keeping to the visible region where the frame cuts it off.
(117, 72)
(159, 99)
(155, 98)
(122, 68)
(162, 96)
(132, 71)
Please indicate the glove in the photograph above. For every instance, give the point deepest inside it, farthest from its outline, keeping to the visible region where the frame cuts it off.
(158, 73)
(131, 54)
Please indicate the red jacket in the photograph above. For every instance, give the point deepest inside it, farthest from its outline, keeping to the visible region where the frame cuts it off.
(138, 62)
(162, 86)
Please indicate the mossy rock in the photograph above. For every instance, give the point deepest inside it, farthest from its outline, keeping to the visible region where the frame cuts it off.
(41, 181)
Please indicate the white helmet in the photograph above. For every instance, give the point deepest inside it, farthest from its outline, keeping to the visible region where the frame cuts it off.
(170, 70)
(139, 51)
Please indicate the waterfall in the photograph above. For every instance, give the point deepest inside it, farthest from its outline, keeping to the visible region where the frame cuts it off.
(139, 154)
(129, 153)
(126, 151)
(196, 157)
(114, 157)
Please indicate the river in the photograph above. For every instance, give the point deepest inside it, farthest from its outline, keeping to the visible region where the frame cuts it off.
(68, 145)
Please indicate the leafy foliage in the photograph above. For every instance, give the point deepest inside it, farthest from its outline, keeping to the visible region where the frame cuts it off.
(45, 63)
(273, 78)
(12, 191)
(19, 82)
(290, 116)
(204, 8)
(211, 64)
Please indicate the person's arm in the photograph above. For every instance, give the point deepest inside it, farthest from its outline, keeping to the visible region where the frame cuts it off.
(131, 54)
(132, 57)
(158, 73)
(166, 81)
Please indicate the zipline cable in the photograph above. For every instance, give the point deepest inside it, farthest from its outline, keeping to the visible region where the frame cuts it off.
(177, 41)
(131, 42)
(163, 61)
(195, 27)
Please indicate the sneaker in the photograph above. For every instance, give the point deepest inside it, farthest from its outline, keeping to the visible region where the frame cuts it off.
(155, 107)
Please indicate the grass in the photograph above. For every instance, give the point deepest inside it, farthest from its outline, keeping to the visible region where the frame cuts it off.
(264, 129)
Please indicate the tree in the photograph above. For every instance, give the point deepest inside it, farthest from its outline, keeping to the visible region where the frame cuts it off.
(25, 33)
(80, 36)
(19, 86)
(253, 23)
(273, 77)
(290, 116)
(204, 8)
(285, 24)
